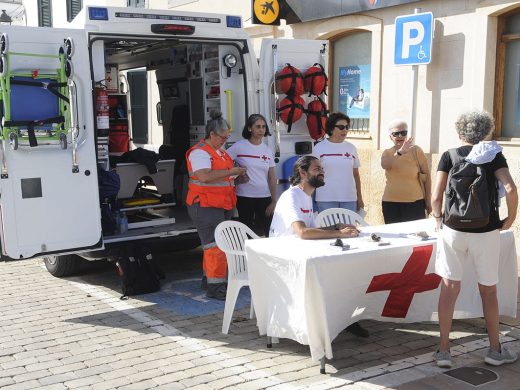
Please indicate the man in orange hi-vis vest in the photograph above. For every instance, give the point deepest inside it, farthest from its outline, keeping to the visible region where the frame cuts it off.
(211, 198)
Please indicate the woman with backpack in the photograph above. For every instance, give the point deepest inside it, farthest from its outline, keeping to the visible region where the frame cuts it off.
(471, 234)
(408, 180)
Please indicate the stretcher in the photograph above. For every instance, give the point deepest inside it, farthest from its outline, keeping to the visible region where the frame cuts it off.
(38, 106)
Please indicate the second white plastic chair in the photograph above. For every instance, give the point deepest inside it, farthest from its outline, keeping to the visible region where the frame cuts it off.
(230, 237)
(330, 217)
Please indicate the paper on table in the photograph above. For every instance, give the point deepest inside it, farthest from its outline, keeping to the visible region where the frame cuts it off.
(419, 237)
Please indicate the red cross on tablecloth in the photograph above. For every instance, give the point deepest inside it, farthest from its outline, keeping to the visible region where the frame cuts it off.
(403, 286)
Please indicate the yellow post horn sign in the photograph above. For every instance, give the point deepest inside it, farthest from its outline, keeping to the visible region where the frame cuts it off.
(266, 12)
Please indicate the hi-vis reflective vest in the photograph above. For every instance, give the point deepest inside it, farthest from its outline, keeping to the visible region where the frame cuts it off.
(220, 194)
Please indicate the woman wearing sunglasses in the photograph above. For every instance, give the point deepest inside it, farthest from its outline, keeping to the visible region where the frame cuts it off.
(340, 161)
(403, 198)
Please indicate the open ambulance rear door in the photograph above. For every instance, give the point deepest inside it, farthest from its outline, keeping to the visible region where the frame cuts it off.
(274, 55)
(49, 201)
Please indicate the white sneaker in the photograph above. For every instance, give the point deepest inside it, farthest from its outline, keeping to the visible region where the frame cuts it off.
(495, 358)
(443, 359)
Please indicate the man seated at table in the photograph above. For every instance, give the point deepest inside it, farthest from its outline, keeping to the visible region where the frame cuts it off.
(294, 214)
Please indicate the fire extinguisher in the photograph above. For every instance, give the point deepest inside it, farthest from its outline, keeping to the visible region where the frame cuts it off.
(102, 109)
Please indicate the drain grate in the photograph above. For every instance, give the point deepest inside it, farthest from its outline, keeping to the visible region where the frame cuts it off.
(475, 376)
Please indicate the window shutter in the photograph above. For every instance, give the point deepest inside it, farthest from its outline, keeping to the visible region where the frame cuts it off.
(73, 8)
(136, 3)
(44, 13)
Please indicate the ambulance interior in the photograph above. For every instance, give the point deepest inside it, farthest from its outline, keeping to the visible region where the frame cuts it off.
(160, 94)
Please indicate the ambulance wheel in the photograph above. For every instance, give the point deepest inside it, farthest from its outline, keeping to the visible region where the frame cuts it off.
(63, 141)
(4, 43)
(3, 65)
(69, 47)
(60, 266)
(69, 69)
(13, 141)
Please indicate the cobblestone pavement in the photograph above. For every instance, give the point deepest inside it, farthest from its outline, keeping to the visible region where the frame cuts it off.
(75, 333)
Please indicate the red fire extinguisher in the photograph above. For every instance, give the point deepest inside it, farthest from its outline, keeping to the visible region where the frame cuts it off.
(102, 109)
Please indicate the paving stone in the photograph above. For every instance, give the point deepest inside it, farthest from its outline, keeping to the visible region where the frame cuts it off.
(31, 384)
(54, 379)
(29, 375)
(262, 383)
(140, 376)
(18, 362)
(55, 386)
(147, 384)
(198, 379)
(6, 381)
(111, 384)
(67, 368)
(174, 367)
(222, 383)
(173, 386)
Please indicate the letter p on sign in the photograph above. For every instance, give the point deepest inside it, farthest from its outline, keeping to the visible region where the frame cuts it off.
(413, 39)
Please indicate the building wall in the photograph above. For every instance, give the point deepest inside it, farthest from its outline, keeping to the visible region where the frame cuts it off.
(461, 76)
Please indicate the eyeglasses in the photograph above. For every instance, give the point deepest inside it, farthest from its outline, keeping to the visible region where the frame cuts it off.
(223, 138)
(402, 133)
(342, 127)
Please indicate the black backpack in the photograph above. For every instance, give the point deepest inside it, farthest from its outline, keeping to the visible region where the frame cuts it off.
(468, 202)
(139, 275)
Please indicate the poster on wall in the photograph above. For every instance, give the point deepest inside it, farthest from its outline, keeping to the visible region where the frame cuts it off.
(354, 91)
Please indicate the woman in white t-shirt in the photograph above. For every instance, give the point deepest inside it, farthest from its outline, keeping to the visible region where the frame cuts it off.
(340, 161)
(256, 197)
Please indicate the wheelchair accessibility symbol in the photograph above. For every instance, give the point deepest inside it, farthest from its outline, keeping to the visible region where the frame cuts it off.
(421, 54)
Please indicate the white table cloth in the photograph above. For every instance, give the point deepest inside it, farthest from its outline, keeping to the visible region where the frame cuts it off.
(309, 291)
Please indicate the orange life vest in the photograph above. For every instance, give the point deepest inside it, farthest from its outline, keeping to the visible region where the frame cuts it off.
(219, 194)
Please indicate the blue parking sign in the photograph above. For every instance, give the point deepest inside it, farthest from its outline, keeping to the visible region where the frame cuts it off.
(413, 39)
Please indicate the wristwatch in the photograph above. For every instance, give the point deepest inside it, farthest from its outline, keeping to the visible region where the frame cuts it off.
(398, 153)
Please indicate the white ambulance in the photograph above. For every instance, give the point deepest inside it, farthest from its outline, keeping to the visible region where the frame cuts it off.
(74, 101)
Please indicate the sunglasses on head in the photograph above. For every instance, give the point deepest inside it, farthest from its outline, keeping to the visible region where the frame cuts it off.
(342, 127)
(402, 133)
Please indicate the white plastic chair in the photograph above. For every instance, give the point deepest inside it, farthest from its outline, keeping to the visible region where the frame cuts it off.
(330, 217)
(230, 237)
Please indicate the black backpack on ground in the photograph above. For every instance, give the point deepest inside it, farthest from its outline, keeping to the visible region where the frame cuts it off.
(468, 202)
(139, 275)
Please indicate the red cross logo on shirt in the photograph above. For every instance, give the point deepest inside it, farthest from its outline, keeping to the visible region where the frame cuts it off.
(403, 286)
(264, 157)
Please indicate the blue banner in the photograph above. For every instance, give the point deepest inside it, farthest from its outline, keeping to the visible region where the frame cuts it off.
(354, 91)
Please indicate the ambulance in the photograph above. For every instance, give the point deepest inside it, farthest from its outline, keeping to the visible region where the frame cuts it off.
(81, 103)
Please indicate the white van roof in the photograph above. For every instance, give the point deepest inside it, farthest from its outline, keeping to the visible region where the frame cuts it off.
(139, 21)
